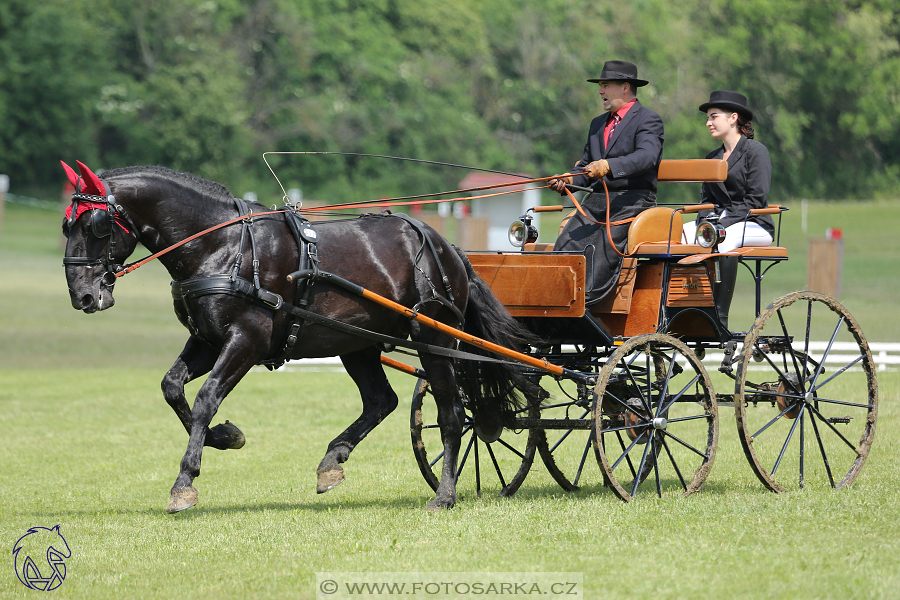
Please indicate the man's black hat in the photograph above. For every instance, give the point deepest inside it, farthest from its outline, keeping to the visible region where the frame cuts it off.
(728, 101)
(619, 70)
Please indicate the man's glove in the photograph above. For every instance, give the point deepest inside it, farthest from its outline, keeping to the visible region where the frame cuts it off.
(597, 169)
(559, 184)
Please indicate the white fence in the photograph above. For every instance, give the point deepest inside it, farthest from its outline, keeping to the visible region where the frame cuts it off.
(885, 355)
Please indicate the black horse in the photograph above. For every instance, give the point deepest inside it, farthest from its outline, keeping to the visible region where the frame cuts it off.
(402, 260)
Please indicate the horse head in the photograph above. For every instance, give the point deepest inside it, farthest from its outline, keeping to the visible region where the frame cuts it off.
(100, 237)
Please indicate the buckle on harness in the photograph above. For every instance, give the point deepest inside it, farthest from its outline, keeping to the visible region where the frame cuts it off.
(270, 299)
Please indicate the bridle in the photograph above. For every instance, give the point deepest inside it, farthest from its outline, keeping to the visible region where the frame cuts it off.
(105, 212)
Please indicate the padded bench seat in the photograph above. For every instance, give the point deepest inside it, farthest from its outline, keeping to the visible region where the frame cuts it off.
(763, 252)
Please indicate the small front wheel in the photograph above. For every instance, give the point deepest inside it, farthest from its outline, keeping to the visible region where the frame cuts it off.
(496, 460)
(655, 418)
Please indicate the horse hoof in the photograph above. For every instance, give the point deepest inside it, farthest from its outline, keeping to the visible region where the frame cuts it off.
(227, 436)
(435, 506)
(329, 479)
(183, 499)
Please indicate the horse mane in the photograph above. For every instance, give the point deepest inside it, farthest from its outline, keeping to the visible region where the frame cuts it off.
(192, 182)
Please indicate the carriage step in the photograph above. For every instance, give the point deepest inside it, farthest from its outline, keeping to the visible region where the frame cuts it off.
(843, 420)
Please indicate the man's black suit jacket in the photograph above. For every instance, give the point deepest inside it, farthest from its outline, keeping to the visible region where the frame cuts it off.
(634, 152)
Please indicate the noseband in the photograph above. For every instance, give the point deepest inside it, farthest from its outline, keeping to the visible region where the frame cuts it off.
(105, 211)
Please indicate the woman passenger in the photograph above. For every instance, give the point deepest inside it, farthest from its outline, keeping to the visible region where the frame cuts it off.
(746, 187)
(749, 175)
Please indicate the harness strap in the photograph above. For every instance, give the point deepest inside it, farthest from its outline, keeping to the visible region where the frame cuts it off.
(417, 226)
(241, 288)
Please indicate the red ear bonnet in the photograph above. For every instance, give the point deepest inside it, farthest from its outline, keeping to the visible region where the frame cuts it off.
(92, 183)
(70, 173)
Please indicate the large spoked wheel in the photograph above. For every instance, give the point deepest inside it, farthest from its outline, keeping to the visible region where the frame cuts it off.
(565, 442)
(654, 415)
(806, 396)
(494, 460)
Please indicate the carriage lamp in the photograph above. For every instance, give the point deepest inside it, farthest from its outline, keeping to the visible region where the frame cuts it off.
(522, 231)
(710, 233)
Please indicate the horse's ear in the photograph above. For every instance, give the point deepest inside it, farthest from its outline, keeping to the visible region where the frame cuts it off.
(70, 173)
(92, 183)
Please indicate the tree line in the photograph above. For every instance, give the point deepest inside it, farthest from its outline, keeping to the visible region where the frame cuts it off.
(207, 86)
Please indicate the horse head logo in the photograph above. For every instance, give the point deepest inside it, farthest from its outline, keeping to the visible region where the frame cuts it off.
(40, 558)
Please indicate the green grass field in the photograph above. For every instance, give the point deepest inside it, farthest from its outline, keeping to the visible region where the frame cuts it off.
(91, 445)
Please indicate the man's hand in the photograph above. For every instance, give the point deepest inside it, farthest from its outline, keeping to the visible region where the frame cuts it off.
(597, 169)
(559, 183)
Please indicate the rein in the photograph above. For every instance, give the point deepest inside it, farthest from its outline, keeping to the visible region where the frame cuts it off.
(607, 224)
(142, 262)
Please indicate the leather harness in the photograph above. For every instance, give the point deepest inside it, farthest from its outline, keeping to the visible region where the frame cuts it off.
(187, 290)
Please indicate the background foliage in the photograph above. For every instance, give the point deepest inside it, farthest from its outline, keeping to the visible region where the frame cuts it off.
(206, 86)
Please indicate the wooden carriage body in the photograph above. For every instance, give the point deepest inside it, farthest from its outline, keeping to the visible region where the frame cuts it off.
(665, 285)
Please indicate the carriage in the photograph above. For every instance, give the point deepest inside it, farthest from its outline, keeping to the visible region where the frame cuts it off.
(641, 399)
(623, 379)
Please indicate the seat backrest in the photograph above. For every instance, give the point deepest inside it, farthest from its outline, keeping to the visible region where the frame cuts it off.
(655, 224)
(692, 170)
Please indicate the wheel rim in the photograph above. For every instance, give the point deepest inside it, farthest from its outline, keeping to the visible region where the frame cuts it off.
(806, 411)
(655, 388)
(498, 466)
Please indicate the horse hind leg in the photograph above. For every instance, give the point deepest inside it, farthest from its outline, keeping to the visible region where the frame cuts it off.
(442, 379)
(379, 400)
(197, 359)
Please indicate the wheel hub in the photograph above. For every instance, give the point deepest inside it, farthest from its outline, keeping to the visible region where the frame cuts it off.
(789, 385)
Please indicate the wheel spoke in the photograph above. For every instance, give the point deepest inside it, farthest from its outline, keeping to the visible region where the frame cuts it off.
(624, 404)
(822, 450)
(674, 464)
(583, 460)
(566, 434)
(833, 428)
(802, 443)
(842, 370)
(685, 444)
(656, 473)
(627, 458)
(787, 336)
(770, 423)
(478, 467)
(510, 448)
(496, 466)
(637, 480)
(786, 442)
(680, 394)
(680, 419)
(624, 453)
(842, 403)
(825, 354)
(462, 464)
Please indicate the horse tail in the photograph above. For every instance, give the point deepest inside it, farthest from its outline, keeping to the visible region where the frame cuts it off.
(492, 388)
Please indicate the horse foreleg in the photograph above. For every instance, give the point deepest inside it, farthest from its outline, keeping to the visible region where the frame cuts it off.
(234, 362)
(379, 400)
(450, 417)
(197, 359)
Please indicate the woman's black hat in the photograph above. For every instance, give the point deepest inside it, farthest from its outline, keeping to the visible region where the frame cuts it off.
(619, 70)
(728, 101)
